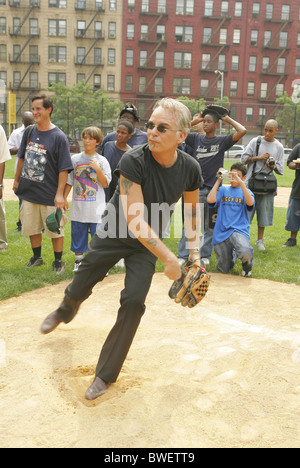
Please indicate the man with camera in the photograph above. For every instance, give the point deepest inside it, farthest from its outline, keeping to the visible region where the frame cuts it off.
(263, 155)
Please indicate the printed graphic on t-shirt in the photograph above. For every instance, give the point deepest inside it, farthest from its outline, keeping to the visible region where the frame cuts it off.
(86, 186)
(35, 162)
(204, 152)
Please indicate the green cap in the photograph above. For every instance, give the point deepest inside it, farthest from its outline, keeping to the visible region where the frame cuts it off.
(53, 221)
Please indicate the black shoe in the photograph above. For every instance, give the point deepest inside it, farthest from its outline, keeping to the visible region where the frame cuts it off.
(58, 267)
(98, 388)
(290, 243)
(50, 323)
(35, 262)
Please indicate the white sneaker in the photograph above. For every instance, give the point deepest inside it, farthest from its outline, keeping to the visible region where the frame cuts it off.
(260, 245)
(76, 265)
(246, 274)
(121, 263)
(205, 261)
(181, 261)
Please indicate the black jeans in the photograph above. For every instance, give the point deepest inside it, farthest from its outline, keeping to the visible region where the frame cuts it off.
(101, 255)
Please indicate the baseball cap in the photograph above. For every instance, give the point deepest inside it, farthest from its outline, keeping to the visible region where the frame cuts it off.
(53, 221)
(129, 107)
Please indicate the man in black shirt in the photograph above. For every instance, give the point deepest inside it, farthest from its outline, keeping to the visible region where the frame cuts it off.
(152, 179)
(293, 213)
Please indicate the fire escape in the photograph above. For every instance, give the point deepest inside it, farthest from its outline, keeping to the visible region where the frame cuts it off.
(214, 46)
(26, 32)
(152, 67)
(89, 37)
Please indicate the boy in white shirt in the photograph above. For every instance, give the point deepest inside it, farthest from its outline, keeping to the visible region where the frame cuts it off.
(90, 176)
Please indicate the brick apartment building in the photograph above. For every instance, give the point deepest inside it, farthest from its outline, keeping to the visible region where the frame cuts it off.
(246, 50)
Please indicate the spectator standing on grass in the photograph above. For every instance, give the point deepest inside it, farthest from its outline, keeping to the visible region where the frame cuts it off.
(40, 180)
(264, 202)
(14, 143)
(90, 176)
(209, 150)
(293, 213)
(4, 157)
(129, 113)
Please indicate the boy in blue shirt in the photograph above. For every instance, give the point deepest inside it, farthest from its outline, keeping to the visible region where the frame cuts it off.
(231, 239)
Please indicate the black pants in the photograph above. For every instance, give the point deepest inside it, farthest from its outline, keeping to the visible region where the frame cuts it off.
(101, 255)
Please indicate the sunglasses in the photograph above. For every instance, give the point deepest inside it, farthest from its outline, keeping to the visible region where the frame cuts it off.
(160, 128)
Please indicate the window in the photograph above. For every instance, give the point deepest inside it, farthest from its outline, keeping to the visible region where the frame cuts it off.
(249, 114)
(80, 77)
(112, 30)
(129, 58)
(159, 59)
(80, 57)
(57, 27)
(161, 32)
(279, 89)
(184, 33)
(235, 63)
(224, 8)
(33, 27)
(97, 82)
(182, 60)
(16, 79)
(56, 78)
(131, 5)
(252, 63)
(207, 33)
(281, 65)
(110, 82)
(128, 83)
(162, 6)
(34, 53)
(3, 53)
(298, 40)
(251, 88)
(143, 58)
(111, 56)
(221, 62)
(208, 8)
(236, 36)
(283, 39)
(238, 9)
(223, 36)
(80, 28)
(265, 64)
(158, 85)
(16, 52)
(57, 3)
(144, 31)
(16, 25)
(33, 80)
(297, 66)
(233, 88)
(57, 54)
(204, 84)
(285, 12)
(130, 31)
(205, 61)
(263, 90)
(97, 56)
(145, 6)
(184, 7)
(267, 38)
(112, 5)
(269, 11)
(256, 10)
(182, 86)
(142, 84)
(254, 37)
(98, 29)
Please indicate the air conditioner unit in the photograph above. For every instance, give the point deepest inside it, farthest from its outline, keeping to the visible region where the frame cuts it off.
(62, 60)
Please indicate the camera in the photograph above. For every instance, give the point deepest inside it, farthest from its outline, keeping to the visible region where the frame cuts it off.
(224, 175)
(271, 161)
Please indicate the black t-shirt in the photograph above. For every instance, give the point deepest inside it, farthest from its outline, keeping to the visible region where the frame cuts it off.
(45, 155)
(162, 188)
(209, 152)
(295, 154)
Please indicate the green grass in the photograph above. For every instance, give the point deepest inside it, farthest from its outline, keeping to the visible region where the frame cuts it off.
(276, 263)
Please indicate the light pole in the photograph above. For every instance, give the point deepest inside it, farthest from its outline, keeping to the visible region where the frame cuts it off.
(218, 72)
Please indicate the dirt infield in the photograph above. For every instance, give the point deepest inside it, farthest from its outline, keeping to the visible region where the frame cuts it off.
(224, 374)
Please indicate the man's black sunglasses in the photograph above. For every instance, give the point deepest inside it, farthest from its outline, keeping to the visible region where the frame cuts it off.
(161, 128)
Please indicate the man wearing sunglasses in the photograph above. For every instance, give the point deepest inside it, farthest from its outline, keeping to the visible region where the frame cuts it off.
(151, 176)
(129, 113)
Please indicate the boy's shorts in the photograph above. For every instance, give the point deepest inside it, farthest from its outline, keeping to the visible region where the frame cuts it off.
(264, 208)
(293, 216)
(33, 218)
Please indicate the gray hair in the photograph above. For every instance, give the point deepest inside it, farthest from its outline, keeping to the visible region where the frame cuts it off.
(183, 113)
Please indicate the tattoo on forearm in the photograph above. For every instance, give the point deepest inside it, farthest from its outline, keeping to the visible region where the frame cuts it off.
(152, 242)
(126, 184)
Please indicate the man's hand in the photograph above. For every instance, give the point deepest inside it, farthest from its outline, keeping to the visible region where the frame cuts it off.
(172, 268)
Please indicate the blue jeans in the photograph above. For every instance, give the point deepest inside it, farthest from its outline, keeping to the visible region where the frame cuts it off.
(236, 246)
(206, 240)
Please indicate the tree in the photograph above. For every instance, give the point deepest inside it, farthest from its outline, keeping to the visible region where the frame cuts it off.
(79, 106)
(288, 117)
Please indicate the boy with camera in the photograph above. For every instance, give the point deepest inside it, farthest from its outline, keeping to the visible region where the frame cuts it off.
(268, 158)
(231, 239)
